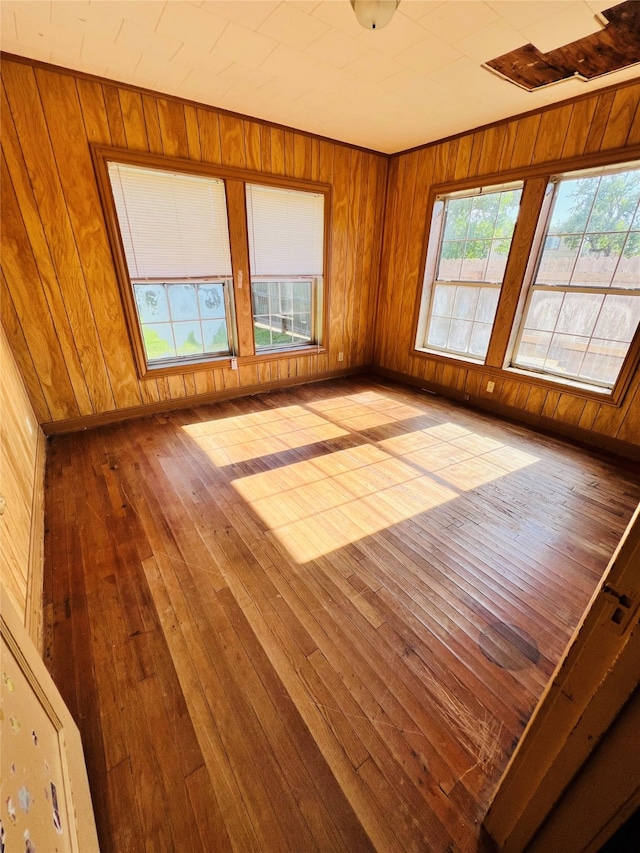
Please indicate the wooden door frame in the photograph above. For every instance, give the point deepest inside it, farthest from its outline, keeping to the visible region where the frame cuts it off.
(595, 677)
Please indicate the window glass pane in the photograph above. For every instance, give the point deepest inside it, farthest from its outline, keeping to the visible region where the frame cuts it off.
(566, 354)
(183, 305)
(558, 260)
(603, 361)
(572, 205)
(465, 302)
(211, 301)
(282, 312)
(451, 255)
(487, 304)
(628, 272)
(479, 342)
(482, 217)
(188, 338)
(182, 301)
(215, 336)
(534, 346)
(460, 335)
(579, 313)
(457, 218)
(544, 309)
(439, 332)
(152, 303)
(598, 259)
(497, 262)
(618, 318)
(616, 202)
(158, 341)
(443, 298)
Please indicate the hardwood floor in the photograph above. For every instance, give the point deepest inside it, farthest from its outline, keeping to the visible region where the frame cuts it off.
(314, 620)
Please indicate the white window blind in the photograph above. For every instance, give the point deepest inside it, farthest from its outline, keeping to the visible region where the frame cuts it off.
(172, 225)
(286, 231)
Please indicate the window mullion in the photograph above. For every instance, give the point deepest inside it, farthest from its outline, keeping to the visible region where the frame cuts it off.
(518, 271)
(238, 239)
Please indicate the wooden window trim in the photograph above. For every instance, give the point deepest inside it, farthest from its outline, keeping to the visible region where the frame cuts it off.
(242, 318)
(518, 275)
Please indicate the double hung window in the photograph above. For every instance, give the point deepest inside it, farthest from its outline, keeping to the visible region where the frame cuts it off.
(175, 237)
(470, 239)
(583, 306)
(286, 256)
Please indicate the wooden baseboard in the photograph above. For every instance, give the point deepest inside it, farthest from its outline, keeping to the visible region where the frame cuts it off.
(104, 418)
(35, 578)
(541, 422)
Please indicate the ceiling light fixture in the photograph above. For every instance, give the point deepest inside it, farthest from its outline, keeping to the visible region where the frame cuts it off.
(374, 14)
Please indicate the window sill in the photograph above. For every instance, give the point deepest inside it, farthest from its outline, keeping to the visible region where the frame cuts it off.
(448, 356)
(612, 397)
(293, 352)
(224, 362)
(570, 386)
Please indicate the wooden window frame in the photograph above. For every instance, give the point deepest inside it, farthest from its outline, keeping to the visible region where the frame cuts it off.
(436, 236)
(241, 319)
(521, 264)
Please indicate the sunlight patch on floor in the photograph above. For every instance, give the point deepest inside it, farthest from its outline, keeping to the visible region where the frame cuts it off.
(462, 458)
(316, 506)
(365, 411)
(238, 439)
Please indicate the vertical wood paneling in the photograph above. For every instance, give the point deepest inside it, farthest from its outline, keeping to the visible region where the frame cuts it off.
(622, 113)
(64, 120)
(30, 302)
(599, 122)
(114, 115)
(172, 128)
(232, 141)
(135, 129)
(609, 120)
(152, 122)
(18, 345)
(65, 308)
(193, 132)
(94, 111)
(20, 481)
(551, 135)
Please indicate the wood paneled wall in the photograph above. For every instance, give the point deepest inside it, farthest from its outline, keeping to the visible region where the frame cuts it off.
(22, 459)
(603, 122)
(61, 306)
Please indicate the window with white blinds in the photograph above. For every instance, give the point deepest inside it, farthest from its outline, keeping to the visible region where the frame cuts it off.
(175, 237)
(286, 231)
(286, 255)
(173, 225)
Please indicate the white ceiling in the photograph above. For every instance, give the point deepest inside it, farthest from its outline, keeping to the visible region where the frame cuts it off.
(308, 64)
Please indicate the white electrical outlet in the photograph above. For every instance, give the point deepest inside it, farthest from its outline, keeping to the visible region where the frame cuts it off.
(490, 387)
(234, 364)
(340, 356)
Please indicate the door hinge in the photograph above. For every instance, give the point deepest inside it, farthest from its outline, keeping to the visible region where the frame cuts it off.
(624, 607)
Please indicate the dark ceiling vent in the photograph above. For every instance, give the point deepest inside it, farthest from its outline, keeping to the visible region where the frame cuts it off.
(612, 48)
